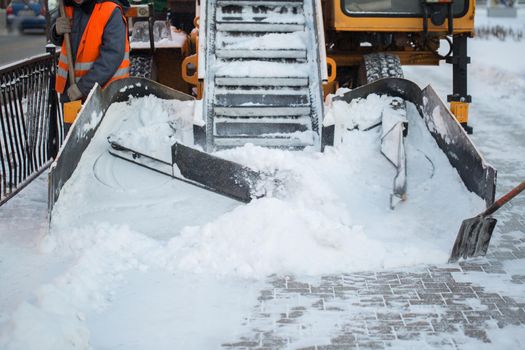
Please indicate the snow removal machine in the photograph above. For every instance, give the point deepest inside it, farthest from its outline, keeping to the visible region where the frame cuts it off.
(262, 70)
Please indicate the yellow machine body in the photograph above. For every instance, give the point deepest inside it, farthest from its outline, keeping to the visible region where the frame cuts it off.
(339, 20)
(355, 28)
(407, 29)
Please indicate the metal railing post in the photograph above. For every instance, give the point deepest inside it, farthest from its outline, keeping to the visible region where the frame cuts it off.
(53, 143)
(30, 121)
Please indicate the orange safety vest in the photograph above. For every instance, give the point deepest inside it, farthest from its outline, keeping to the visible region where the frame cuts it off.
(89, 48)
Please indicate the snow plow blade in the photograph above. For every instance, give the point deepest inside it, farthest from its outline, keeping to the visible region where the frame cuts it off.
(217, 174)
(477, 175)
(88, 120)
(188, 164)
(199, 168)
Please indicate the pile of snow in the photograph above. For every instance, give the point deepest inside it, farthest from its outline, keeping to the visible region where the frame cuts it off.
(331, 215)
(152, 125)
(121, 224)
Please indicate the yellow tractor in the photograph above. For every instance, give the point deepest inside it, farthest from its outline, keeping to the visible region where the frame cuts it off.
(410, 31)
(360, 40)
(263, 68)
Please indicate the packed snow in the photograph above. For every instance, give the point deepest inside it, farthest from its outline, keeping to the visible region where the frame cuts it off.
(276, 41)
(137, 260)
(332, 205)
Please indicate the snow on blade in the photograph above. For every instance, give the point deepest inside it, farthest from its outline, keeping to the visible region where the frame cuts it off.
(152, 125)
(331, 214)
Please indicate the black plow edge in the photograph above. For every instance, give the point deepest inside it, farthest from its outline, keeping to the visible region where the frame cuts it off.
(477, 175)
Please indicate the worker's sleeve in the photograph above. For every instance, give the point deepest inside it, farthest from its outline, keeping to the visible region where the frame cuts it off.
(111, 54)
(55, 38)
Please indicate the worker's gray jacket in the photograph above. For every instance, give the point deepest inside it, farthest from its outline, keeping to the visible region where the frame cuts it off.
(113, 43)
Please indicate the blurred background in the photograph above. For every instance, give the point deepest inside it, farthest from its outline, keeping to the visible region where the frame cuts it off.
(24, 23)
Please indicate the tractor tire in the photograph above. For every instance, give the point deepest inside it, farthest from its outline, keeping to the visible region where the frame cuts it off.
(380, 65)
(141, 66)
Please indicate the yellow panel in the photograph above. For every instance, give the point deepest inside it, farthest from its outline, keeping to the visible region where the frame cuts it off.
(343, 22)
(427, 58)
(460, 111)
(71, 110)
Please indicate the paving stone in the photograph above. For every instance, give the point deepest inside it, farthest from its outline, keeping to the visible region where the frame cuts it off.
(285, 321)
(278, 282)
(413, 329)
(382, 309)
(388, 316)
(478, 334)
(336, 347)
(273, 342)
(389, 276)
(351, 290)
(419, 325)
(508, 301)
(322, 290)
(344, 339)
(332, 280)
(382, 332)
(435, 285)
(371, 345)
(324, 296)
(518, 279)
(433, 269)
(319, 304)
(295, 314)
(407, 335)
(297, 285)
(438, 301)
(443, 326)
(266, 295)
(241, 344)
(468, 268)
(519, 254)
(494, 269)
(405, 292)
(397, 304)
(503, 321)
(298, 291)
(440, 343)
(380, 289)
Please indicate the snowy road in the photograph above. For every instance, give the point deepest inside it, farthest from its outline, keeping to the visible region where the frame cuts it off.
(15, 46)
(108, 286)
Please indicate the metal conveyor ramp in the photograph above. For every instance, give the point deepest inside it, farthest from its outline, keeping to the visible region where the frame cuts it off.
(264, 72)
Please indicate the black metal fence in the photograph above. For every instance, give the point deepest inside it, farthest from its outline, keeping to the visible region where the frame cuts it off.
(30, 121)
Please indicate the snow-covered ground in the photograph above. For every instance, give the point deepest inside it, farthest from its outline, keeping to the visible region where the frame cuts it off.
(136, 260)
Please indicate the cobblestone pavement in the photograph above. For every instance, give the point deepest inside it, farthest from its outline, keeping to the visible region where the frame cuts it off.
(375, 310)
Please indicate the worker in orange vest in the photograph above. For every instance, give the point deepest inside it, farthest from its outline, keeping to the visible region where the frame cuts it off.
(99, 45)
